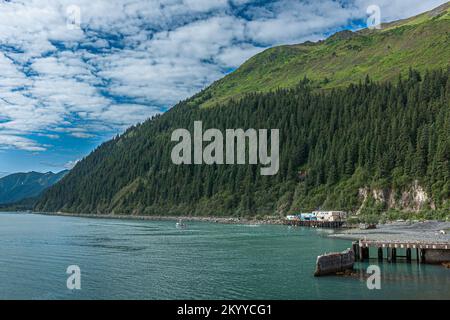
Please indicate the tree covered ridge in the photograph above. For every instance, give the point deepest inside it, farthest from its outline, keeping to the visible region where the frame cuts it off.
(332, 143)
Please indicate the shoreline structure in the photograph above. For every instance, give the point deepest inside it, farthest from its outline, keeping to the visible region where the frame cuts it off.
(223, 220)
(427, 231)
(421, 235)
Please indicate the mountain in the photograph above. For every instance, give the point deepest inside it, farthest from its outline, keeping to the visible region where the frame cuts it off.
(421, 42)
(364, 120)
(19, 186)
(3, 174)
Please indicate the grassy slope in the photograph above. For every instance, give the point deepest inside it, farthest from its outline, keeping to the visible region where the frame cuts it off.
(421, 42)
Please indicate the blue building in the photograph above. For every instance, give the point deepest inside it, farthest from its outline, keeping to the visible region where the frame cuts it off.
(308, 217)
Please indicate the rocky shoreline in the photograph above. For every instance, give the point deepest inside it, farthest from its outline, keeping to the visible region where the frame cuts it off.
(222, 220)
(427, 231)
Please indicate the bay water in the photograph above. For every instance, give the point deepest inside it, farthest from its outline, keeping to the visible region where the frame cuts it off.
(137, 259)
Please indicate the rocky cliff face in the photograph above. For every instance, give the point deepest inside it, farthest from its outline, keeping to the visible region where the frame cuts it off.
(413, 198)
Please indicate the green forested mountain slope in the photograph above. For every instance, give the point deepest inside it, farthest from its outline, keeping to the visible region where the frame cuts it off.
(362, 144)
(332, 145)
(421, 42)
(19, 186)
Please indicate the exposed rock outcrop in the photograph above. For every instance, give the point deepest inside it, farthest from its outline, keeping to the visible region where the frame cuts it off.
(414, 198)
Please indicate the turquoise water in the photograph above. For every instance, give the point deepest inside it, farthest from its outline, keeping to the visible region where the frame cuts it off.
(128, 259)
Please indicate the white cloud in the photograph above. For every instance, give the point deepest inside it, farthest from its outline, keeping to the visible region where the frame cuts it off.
(17, 142)
(134, 58)
(70, 164)
(233, 57)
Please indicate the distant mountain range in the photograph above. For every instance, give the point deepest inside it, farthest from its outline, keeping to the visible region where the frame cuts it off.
(4, 174)
(19, 186)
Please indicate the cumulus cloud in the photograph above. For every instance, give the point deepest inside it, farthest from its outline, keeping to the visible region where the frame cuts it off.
(131, 59)
(18, 142)
(70, 164)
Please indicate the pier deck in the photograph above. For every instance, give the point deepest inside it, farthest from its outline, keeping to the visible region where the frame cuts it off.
(426, 252)
(315, 224)
(404, 245)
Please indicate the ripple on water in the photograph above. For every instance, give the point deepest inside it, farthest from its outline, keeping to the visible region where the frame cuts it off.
(154, 260)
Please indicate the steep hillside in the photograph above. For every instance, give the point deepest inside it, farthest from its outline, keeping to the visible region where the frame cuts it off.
(19, 186)
(332, 146)
(421, 42)
(378, 142)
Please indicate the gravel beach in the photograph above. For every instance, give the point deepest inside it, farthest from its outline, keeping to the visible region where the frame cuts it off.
(223, 220)
(428, 231)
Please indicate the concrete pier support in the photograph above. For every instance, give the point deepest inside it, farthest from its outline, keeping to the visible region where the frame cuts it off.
(436, 256)
(365, 254)
(332, 263)
(361, 253)
(388, 254)
(355, 247)
(408, 255)
(394, 254)
(422, 255)
(380, 254)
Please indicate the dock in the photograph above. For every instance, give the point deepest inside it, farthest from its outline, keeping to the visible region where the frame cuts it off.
(425, 252)
(315, 224)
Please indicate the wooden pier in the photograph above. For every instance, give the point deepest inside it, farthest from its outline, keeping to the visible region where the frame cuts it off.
(315, 224)
(436, 252)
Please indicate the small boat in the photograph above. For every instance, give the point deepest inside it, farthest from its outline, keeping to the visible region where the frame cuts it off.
(180, 224)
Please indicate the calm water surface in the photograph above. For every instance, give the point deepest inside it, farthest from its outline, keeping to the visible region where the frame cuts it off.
(127, 259)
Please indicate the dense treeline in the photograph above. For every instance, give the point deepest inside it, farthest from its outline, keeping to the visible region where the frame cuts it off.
(384, 135)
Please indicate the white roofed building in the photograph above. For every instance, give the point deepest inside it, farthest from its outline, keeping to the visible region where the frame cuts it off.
(330, 216)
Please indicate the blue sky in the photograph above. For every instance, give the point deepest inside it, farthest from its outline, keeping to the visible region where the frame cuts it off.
(75, 73)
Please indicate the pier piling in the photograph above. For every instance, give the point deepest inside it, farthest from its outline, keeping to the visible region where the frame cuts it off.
(355, 247)
(426, 252)
(380, 254)
(315, 224)
(422, 255)
(408, 255)
(363, 252)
